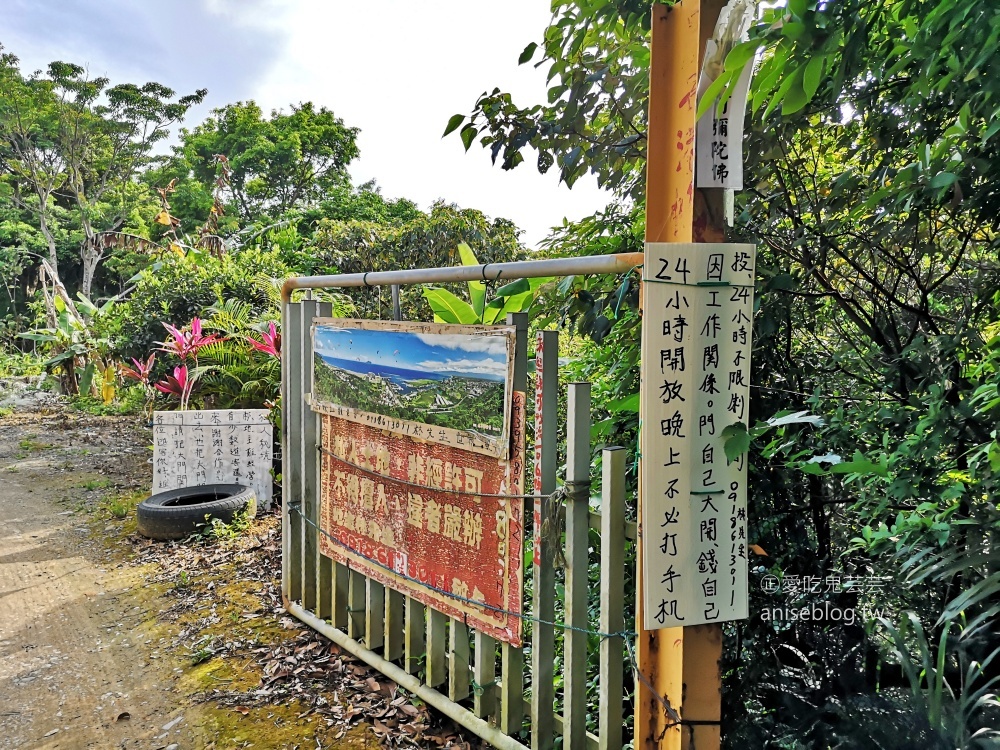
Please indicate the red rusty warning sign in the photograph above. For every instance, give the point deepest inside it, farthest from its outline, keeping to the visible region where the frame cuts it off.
(440, 524)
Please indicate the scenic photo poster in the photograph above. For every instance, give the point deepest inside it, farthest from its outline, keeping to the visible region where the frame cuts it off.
(446, 384)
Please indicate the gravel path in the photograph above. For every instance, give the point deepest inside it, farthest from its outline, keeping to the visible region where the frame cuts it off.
(77, 668)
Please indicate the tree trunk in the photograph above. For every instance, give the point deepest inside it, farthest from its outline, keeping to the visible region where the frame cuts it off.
(91, 258)
(43, 224)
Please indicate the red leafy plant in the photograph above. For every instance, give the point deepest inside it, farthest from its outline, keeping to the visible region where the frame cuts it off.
(184, 343)
(270, 342)
(141, 374)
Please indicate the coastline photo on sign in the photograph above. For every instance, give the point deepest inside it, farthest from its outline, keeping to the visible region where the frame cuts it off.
(441, 383)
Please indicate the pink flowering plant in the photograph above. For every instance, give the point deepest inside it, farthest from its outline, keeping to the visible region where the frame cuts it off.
(141, 373)
(270, 342)
(184, 343)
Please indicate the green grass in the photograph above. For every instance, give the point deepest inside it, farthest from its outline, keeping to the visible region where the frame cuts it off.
(118, 508)
(31, 445)
(96, 484)
(128, 402)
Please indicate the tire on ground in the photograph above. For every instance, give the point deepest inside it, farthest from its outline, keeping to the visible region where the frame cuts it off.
(175, 514)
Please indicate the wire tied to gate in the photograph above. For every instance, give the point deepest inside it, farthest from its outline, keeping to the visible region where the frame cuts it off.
(396, 480)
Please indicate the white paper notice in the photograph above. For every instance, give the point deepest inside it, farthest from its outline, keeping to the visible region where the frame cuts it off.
(719, 135)
(719, 139)
(696, 338)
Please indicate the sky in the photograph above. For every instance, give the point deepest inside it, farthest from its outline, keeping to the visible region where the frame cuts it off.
(396, 70)
(482, 356)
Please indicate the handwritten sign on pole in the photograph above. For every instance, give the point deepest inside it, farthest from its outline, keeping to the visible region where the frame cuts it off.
(696, 338)
(719, 134)
(719, 140)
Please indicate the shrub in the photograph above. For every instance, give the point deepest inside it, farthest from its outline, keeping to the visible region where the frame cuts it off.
(179, 288)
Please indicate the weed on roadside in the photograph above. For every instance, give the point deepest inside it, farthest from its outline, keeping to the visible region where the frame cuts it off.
(217, 530)
(31, 445)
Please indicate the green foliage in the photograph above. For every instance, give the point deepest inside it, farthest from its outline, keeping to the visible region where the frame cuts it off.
(17, 364)
(238, 376)
(75, 347)
(517, 296)
(429, 240)
(177, 289)
(129, 401)
(594, 119)
(71, 146)
(287, 161)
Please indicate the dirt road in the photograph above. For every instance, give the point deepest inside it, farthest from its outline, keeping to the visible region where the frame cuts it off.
(77, 666)
(111, 641)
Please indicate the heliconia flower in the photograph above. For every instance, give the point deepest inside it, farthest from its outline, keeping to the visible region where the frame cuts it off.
(141, 371)
(176, 384)
(271, 343)
(186, 343)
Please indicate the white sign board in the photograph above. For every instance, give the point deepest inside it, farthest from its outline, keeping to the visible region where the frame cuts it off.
(217, 446)
(696, 337)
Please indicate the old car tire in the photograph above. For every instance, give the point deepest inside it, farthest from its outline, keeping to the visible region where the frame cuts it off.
(175, 514)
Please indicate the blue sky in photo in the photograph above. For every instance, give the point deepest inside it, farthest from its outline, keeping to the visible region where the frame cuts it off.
(474, 356)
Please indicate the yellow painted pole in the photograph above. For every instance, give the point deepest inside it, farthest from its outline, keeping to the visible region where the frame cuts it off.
(680, 664)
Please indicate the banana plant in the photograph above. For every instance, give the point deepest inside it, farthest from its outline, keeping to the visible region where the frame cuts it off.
(517, 296)
(76, 353)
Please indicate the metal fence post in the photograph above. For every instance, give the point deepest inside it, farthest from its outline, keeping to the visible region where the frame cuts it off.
(307, 439)
(543, 595)
(577, 563)
(612, 597)
(291, 430)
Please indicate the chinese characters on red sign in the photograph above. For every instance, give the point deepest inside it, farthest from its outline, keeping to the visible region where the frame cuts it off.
(695, 382)
(439, 524)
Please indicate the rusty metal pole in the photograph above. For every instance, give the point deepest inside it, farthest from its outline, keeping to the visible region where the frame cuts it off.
(682, 664)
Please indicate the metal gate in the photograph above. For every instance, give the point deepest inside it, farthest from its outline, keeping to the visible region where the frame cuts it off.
(569, 679)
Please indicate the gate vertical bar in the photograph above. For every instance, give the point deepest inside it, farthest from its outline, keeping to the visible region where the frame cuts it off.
(393, 625)
(612, 597)
(341, 595)
(543, 593)
(414, 640)
(374, 614)
(577, 562)
(291, 451)
(485, 674)
(511, 658)
(437, 625)
(311, 476)
(458, 661)
(356, 605)
(307, 439)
